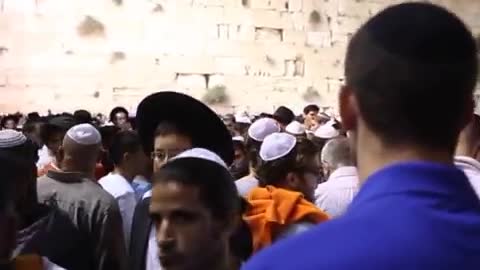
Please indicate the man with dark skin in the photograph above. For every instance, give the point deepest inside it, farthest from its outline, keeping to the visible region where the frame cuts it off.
(93, 210)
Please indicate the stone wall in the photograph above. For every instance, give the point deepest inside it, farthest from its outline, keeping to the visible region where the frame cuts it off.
(94, 54)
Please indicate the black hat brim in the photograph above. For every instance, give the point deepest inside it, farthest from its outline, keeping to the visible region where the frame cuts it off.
(202, 124)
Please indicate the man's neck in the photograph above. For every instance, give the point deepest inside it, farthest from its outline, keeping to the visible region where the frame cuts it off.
(125, 173)
(373, 156)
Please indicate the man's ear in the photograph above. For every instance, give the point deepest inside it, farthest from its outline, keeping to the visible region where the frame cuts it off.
(348, 108)
(60, 156)
(293, 181)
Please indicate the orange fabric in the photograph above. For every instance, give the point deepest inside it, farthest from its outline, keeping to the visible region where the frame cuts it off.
(49, 167)
(28, 262)
(273, 209)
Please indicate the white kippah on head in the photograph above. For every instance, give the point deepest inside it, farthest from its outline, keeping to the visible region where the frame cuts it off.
(84, 134)
(277, 145)
(238, 139)
(327, 131)
(295, 128)
(11, 138)
(243, 119)
(201, 153)
(262, 128)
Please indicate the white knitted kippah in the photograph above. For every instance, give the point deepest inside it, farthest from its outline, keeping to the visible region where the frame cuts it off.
(11, 138)
(295, 128)
(327, 131)
(201, 153)
(277, 145)
(84, 134)
(262, 128)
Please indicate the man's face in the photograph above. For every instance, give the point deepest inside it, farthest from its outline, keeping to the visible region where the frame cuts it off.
(311, 116)
(167, 147)
(54, 142)
(10, 124)
(188, 237)
(120, 119)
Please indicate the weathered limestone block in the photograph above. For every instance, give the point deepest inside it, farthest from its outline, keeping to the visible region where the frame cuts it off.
(268, 34)
(230, 65)
(192, 81)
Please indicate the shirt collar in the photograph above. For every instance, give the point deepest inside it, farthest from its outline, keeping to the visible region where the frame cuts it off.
(66, 176)
(344, 171)
(417, 178)
(464, 162)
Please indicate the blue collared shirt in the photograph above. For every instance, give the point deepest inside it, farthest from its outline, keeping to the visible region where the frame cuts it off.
(414, 215)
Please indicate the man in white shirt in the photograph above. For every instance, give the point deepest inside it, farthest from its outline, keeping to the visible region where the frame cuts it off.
(129, 159)
(466, 154)
(334, 195)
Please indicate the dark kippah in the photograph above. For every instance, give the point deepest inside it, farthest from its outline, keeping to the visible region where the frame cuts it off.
(409, 29)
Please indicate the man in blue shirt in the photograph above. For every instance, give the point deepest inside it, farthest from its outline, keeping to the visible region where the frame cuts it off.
(415, 209)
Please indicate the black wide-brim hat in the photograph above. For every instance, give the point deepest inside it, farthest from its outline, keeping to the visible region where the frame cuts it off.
(202, 124)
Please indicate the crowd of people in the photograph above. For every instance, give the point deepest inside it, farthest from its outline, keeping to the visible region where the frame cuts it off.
(393, 183)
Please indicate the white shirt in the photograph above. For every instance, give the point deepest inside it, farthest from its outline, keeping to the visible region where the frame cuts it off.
(471, 168)
(151, 258)
(246, 184)
(44, 157)
(123, 192)
(48, 265)
(335, 195)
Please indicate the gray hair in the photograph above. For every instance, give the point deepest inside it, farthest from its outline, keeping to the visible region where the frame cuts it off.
(338, 153)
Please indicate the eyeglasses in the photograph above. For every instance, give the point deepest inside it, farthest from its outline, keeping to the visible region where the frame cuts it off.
(164, 155)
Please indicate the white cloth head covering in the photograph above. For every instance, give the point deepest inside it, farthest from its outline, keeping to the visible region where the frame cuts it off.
(327, 131)
(295, 128)
(11, 138)
(84, 134)
(201, 153)
(242, 118)
(277, 145)
(262, 128)
(238, 139)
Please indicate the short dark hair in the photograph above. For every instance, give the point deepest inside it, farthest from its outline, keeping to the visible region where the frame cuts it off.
(82, 117)
(216, 185)
(283, 115)
(311, 108)
(168, 128)
(116, 110)
(253, 148)
(124, 142)
(299, 160)
(404, 72)
(8, 117)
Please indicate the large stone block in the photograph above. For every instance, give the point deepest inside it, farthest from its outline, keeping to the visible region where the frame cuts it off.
(192, 81)
(268, 34)
(230, 65)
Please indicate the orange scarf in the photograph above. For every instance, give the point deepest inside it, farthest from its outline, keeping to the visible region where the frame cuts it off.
(28, 262)
(273, 209)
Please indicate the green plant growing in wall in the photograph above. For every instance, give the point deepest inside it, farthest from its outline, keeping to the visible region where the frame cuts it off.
(311, 94)
(91, 27)
(215, 95)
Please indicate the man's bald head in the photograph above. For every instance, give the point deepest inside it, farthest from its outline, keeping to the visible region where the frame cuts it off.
(80, 149)
(337, 153)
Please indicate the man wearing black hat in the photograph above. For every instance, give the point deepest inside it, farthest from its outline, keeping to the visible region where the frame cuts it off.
(169, 123)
